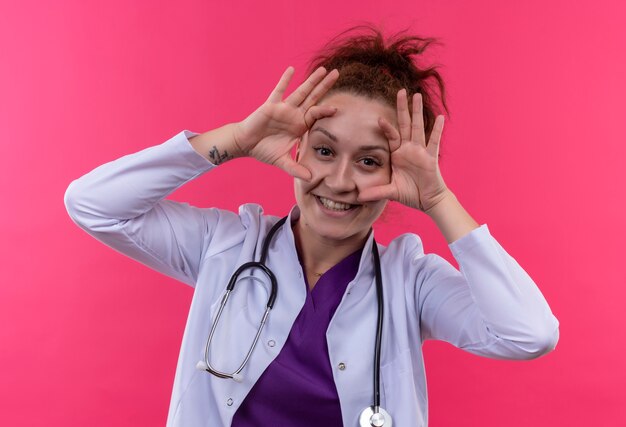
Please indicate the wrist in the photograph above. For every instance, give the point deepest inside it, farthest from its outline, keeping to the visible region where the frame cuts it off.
(217, 145)
(437, 203)
(238, 142)
(451, 217)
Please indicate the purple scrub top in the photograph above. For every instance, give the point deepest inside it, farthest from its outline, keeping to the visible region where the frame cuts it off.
(297, 388)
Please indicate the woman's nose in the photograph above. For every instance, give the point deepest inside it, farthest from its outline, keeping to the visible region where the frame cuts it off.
(340, 178)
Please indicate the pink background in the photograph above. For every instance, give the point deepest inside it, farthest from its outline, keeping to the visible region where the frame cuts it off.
(534, 148)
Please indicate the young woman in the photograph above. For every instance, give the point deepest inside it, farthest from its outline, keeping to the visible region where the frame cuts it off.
(341, 344)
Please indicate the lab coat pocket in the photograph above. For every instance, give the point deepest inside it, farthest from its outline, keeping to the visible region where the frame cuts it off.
(403, 391)
(193, 409)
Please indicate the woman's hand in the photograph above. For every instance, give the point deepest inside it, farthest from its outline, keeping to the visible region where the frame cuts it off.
(415, 177)
(270, 132)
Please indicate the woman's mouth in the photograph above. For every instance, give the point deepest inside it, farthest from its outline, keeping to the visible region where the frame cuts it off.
(333, 205)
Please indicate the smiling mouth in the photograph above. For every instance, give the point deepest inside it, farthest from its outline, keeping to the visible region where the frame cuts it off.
(335, 206)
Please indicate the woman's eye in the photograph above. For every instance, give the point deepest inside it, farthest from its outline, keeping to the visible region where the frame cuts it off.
(324, 151)
(370, 162)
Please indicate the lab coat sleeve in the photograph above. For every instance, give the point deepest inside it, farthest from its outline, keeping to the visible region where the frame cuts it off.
(122, 204)
(491, 307)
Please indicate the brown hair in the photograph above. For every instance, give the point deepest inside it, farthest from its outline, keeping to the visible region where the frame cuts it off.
(377, 68)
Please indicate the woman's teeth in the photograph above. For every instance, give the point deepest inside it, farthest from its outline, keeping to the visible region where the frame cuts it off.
(336, 206)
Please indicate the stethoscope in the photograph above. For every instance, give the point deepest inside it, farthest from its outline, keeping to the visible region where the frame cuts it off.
(372, 416)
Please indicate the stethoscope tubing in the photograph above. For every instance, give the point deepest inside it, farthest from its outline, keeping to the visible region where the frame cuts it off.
(231, 286)
(379, 326)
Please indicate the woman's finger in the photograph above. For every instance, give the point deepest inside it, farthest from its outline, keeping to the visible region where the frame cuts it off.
(289, 165)
(279, 91)
(404, 117)
(435, 137)
(417, 127)
(391, 133)
(299, 95)
(380, 192)
(320, 90)
(318, 112)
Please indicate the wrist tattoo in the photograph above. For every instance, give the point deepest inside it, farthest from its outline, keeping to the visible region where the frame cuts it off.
(217, 157)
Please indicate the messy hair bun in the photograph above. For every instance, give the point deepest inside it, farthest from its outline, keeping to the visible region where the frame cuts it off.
(377, 68)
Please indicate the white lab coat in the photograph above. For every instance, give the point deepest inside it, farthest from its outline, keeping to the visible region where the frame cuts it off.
(490, 308)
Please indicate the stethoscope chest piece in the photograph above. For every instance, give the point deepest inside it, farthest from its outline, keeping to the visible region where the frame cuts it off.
(379, 419)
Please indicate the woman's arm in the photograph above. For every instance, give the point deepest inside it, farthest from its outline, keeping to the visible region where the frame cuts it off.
(122, 203)
(491, 307)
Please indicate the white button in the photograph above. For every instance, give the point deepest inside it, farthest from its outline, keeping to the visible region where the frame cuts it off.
(229, 402)
(342, 366)
(271, 343)
(300, 274)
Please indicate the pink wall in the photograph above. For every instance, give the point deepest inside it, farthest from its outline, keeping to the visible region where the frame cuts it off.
(534, 147)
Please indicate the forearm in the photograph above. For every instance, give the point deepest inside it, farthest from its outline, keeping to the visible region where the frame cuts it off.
(217, 145)
(451, 217)
(492, 307)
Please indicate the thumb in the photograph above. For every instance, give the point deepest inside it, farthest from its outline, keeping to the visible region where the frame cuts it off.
(294, 169)
(380, 192)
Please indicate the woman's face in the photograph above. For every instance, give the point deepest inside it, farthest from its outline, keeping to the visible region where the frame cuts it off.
(345, 153)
